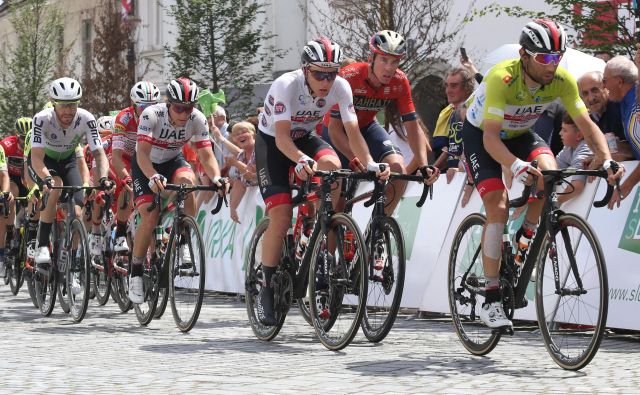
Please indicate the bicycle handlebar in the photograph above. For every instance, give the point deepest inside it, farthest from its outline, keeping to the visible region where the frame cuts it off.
(186, 188)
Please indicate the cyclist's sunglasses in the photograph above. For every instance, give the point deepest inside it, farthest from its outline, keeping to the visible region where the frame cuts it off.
(545, 58)
(181, 108)
(66, 104)
(323, 75)
(142, 106)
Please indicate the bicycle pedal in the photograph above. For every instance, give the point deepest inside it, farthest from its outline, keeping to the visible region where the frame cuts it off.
(504, 330)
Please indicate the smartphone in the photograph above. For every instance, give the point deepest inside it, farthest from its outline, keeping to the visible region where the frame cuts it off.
(463, 54)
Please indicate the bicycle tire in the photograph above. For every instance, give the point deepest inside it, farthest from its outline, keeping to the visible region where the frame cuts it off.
(380, 314)
(253, 284)
(46, 290)
(585, 323)
(120, 288)
(31, 287)
(186, 296)
(342, 280)
(146, 310)
(163, 300)
(61, 287)
(474, 335)
(78, 268)
(14, 264)
(101, 279)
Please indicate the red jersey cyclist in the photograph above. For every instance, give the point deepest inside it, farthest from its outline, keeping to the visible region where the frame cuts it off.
(295, 104)
(143, 94)
(162, 132)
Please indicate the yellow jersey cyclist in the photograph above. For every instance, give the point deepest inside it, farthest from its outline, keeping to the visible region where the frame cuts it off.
(56, 134)
(163, 130)
(6, 199)
(497, 131)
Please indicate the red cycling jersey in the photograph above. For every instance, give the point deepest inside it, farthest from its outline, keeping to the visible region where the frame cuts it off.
(106, 146)
(368, 101)
(125, 132)
(14, 154)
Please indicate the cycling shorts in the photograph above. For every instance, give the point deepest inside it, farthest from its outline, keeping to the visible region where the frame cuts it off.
(22, 190)
(273, 166)
(486, 171)
(378, 142)
(67, 169)
(169, 169)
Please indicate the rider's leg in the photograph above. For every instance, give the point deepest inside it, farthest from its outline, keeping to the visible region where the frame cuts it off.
(396, 188)
(186, 176)
(495, 203)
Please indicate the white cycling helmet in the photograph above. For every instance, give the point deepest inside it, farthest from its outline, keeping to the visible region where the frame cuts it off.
(145, 92)
(65, 89)
(106, 122)
(321, 52)
(387, 42)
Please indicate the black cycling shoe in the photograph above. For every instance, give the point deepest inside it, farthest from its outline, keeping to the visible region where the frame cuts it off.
(264, 304)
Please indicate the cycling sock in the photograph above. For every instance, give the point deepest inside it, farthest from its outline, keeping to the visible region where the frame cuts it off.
(45, 231)
(121, 229)
(268, 273)
(492, 289)
(136, 266)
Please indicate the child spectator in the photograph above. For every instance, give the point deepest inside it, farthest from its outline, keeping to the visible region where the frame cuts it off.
(574, 154)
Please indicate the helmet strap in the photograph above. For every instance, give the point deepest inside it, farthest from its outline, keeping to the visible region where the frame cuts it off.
(379, 83)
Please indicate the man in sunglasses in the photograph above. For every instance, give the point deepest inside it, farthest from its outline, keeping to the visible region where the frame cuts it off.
(52, 160)
(294, 106)
(163, 130)
(498, 131)
(125, 134)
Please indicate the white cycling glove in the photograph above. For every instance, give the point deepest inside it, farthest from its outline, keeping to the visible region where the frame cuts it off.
(302, 162)
(156, 177)
(520, 169)
(375, 167)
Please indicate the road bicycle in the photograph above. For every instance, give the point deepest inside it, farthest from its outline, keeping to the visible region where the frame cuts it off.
(324, 258)
(16, 246)
(571, 287)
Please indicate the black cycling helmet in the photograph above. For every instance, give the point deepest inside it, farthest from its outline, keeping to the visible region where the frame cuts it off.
(543, 36)
(182, 91)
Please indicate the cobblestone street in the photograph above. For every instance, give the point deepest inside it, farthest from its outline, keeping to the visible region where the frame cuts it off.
(110, 353)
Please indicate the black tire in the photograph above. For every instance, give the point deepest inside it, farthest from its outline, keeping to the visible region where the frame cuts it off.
(163, 300)
(31, 286)
(14, 273)
(339, 285)
(120, 289)
(150, 277)
(100, 278)
(253, 284)
(572, 326)
(186, 281)
(45, 285)
(386, 285)
(466, 258)
(78, 269)
(56, 235)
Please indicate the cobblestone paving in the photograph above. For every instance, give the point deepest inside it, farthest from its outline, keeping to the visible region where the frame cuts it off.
(110, 353)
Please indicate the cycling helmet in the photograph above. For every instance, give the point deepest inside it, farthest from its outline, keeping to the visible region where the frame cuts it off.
(106, 123)
(65, 89)
(145, 92)
(387, 42)
(182, 91)
(543, 36)
(322, 52)
(23, 125)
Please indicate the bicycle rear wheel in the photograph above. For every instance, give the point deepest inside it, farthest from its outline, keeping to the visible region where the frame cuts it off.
(572, 321)
(45, 284)
(338, 286)
(31, 286)
(100, 267)
(466, 271)
(386, 278)
(14, 272)
(78, 271)
(186, 279)
(61, 287)
(253, 284)
(150, 278)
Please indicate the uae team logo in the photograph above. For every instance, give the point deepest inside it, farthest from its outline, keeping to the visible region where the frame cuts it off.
(279, 108)
(630, 239)
(320, 102)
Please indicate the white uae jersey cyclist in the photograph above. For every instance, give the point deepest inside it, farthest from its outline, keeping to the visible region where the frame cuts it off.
(167, 140)
(59, 143)
(289, 99)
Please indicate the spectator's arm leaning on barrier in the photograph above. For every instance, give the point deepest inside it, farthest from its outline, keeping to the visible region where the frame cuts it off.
(237, 193)
(219, 138)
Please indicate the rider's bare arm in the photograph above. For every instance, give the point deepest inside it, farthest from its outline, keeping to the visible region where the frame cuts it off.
(494, 145)
(118, 164)
(102, 162)
(419, 145)
(284, 142)
(356, 142)
(37, 163)
(143, 156)
(339, 138)
(209, 162)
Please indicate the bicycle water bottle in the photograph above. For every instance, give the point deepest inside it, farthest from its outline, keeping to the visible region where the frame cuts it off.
(523, 245)
(305, 232)
(349, 246)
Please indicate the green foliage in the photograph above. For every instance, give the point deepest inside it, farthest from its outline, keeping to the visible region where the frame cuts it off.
(580, 26)
(28, 66)
(218, 46)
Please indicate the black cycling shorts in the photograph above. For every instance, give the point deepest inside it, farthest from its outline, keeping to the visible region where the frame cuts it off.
(169, 169)
(67, 169)
(378, 142)
(22, 190)
(273, 166)
(486, 171)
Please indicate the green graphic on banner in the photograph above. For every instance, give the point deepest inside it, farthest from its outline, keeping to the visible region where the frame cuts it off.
(218, 235)
(408, 215)
(630, 238)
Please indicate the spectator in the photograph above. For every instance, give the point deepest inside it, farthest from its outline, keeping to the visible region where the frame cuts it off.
(604, 112)
(604, 55)
(574, 154)
(447, 137)
(621, 80)
(223, 148)
(243, 166)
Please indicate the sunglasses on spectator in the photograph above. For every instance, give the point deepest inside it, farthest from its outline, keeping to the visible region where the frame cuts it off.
(179, 108)
(545, 58)
(323, 75)
(66, 104)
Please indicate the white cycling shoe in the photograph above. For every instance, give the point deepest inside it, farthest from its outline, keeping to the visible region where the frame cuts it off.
(493, 315)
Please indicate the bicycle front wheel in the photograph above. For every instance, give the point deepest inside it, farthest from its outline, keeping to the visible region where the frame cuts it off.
(572, 315)
(100, 267)
(186, 277)
(386, 278)
(338, 282)
(465, 277)
(78, 271)
(151, 280)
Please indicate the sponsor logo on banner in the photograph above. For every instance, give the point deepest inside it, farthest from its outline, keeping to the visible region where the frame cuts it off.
(630, 238)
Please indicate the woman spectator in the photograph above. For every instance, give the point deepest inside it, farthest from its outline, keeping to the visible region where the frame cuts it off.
(243, 167)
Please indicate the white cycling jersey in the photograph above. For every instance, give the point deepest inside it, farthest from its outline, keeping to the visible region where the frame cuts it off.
(167, 141)
(59, 143)
(289, 99)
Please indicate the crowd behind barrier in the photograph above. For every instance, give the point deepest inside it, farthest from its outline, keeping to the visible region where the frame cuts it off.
(428, 232)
